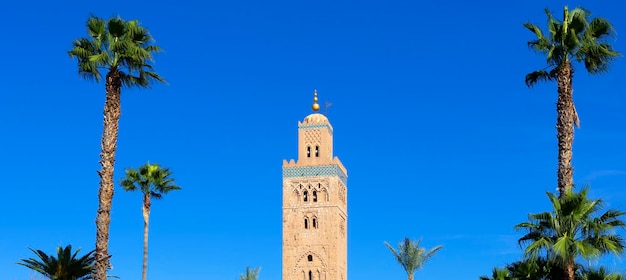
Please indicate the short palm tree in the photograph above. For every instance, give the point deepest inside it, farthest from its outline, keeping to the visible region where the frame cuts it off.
(573, 229)
(600, 274)
(575, 38)
(123, 50)
(153, 182)
(65, 266)
(535, 268)
(498, 274)
(410, 256)
(251, 274)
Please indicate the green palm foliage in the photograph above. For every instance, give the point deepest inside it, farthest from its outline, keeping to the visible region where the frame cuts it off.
(600, 274)
(410, 256)
(123, 51)
(153, 181)
(498, 274)
(576, 38)
(251, 274)
(536, 268)
(65, 266)
(573, 229)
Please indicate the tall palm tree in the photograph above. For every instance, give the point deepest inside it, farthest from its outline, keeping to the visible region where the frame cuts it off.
(573, 229)
(251, 274)
(123, 50)
(575, 38)
(153, 182)
(65, 266)
(410, 256)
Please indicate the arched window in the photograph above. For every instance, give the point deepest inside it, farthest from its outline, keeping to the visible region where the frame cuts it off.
(308, 151)
(309, 258)
(314, 196)
(306, 196)
(314, 223)
(306, 223)
(317, 151)
(310, 275)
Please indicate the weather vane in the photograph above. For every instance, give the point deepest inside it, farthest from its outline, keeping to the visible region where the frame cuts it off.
(326, 105)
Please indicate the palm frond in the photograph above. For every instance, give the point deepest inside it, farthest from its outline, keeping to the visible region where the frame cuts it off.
(533, 78)
(573, 229)
(598, 29)
(66, 265)
(117, 45)
(410, 256)
(577, 21)
(576, 37)
(150, 179)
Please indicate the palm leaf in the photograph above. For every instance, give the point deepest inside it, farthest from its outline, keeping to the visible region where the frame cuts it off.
(538, 76)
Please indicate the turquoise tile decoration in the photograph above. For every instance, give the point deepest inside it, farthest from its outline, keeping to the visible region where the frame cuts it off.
(315, 171)
(316, 126)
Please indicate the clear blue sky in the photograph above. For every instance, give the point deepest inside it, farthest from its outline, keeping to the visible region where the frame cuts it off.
(440, 136)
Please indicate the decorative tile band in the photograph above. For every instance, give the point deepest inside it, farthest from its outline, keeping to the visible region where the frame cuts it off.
(315, 126)
(315, 171)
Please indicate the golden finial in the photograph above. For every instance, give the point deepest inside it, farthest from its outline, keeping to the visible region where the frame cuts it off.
(315, 106)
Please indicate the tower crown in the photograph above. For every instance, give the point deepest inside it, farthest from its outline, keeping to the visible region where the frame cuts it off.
(315, 138)
(315, 118)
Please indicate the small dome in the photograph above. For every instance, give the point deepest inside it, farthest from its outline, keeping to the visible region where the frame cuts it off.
(315, 118)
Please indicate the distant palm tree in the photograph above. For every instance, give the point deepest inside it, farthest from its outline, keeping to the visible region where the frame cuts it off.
(123, 49)
(410, 256)
(251, 274)
(498, 274)
(573, 229)
(600, 274)
(153, 181)
(65, 266)
(575, 38)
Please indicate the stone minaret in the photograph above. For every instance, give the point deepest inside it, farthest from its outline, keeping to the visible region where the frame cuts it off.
(315, 205)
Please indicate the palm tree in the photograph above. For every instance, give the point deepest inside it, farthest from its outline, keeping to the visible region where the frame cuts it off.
(153, 181)
(65, 266)
(498, 274)
(573, 229)
(123, 50)
(535, 268)
(251, 274)
(600, 274)
(410, 256)
(575, 38)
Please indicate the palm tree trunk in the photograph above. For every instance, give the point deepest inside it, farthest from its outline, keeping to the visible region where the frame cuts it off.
(570, 272)
(565, 128)
(411, 276)
(112, 112)
(146, 220)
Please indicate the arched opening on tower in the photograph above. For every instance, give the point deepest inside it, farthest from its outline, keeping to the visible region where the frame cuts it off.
(317, 151)
(314, 196)
(310, 275)
(306, 223)
(309, 258)
(306, 196)
(314, 223)
(308, 151)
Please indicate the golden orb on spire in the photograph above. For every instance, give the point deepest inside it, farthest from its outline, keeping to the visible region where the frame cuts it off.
(315, 107)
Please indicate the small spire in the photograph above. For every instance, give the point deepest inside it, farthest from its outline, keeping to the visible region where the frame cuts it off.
(315, 106)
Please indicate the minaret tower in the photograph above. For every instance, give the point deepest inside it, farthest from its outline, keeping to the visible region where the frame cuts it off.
(315, 205)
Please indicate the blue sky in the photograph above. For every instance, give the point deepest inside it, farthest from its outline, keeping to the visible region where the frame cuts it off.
(441, 138)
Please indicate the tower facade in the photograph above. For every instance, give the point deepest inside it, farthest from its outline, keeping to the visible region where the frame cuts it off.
(315, 206)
